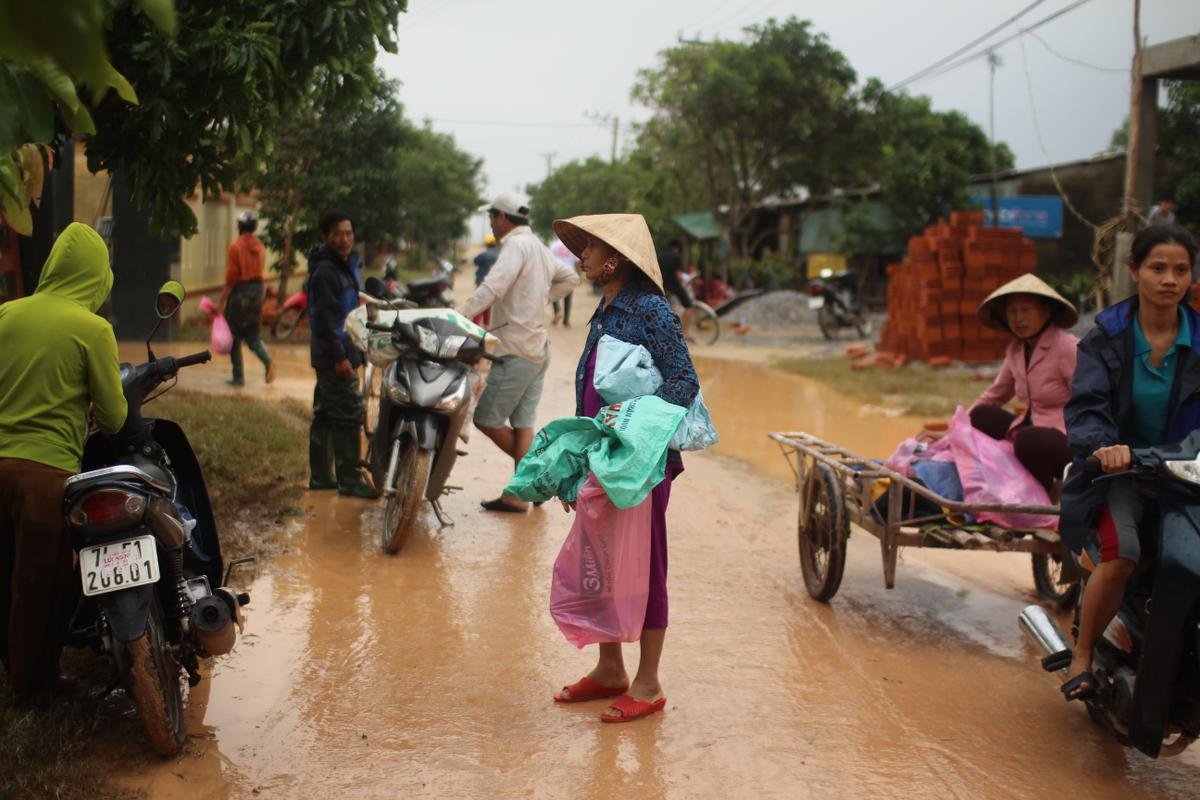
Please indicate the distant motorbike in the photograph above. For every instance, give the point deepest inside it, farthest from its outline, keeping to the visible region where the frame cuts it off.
(1148, 659)
(423, 405)
(154, 585)
(835, 299)
(434, 292)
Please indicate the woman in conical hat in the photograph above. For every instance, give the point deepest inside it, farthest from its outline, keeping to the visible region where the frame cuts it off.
(617, 254)
(1038, 366)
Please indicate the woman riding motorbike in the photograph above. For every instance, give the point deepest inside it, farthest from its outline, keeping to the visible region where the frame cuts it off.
(1137, 384)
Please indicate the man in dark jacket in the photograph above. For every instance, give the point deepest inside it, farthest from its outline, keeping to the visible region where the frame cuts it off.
(333, 438)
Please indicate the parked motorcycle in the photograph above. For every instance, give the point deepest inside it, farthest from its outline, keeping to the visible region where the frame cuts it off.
(292, 315)
(1148, 659)
(423, 405)
(155, 594)
(835, 299)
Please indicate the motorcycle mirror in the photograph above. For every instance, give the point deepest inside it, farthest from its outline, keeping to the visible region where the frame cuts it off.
(170, 298)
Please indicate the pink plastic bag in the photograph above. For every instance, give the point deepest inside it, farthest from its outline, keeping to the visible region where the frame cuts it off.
(602, 574)
(918, 448)
(991, 473)
(221, 338)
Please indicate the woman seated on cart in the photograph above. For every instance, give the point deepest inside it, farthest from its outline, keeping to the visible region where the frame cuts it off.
(1038, 367)
(1136, 386)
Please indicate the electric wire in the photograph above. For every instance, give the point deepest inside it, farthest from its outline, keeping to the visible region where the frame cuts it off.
(946, 59)
(995, 45)
(1045, 44)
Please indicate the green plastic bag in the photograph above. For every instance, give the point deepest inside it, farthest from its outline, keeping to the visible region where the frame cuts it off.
(624, 446)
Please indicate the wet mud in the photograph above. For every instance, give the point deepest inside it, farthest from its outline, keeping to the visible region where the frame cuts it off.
(430, 674)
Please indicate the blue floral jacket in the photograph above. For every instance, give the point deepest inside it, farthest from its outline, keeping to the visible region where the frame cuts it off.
(637, 316)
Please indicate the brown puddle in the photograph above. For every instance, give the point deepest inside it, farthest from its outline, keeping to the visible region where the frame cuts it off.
(430, 674)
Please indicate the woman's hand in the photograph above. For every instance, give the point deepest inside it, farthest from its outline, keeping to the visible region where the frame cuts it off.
(1114, 458)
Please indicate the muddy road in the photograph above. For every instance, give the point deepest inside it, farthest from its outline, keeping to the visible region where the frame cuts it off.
(430, 674)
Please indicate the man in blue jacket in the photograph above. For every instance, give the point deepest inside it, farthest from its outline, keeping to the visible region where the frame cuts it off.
(333, 438)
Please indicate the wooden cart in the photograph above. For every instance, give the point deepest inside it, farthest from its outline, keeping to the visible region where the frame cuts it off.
(837, 488)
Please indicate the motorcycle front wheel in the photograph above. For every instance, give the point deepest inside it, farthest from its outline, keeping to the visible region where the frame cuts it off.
(827, 321)
(156, 682)
(412, 475)
(287, 322)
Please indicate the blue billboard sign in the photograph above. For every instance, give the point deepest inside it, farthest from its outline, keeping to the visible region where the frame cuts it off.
(1039, 216)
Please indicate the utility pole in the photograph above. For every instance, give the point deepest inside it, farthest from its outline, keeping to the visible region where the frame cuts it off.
(549, 162)
(1122, 282)
(1133, 146)
(993, 62)
(616, 129)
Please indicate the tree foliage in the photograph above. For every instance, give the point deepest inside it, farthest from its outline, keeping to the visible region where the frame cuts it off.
(1179, 142)
(46, 59)
(755, 118)
(213, 95)
(397, 180)
(921, 160)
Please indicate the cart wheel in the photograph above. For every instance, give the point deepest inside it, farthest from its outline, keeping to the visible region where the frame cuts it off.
(822, 535)
(1047, 573)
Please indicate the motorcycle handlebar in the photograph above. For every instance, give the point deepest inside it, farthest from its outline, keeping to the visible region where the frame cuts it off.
(202, 357)
(1091, 466)
(375, 326)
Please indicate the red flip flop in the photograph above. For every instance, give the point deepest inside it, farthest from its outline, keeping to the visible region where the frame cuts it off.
(586, 689)
(631, 708)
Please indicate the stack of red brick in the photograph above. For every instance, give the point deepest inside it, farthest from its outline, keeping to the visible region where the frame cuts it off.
(934, 295)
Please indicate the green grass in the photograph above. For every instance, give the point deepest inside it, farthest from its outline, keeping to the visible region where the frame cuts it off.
(255, 460)
(915, 389)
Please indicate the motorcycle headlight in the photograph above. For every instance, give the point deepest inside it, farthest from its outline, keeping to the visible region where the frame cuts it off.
(1188, 471)
(397, 391)
(451, 402)
(428, 342)
(451, 345)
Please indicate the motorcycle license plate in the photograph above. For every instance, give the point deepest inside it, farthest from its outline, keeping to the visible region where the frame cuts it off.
(816, 302)
(118, 565)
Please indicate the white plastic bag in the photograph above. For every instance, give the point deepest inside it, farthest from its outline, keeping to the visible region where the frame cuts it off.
(625, 370)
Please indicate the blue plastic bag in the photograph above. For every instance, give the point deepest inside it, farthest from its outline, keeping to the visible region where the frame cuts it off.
(625, 370)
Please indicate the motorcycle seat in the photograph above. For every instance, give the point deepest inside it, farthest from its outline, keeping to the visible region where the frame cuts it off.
(426, 285)
(112, 476)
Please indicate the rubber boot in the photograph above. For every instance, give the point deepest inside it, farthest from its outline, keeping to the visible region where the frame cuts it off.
(320, 457)
(235, 355)
(259, 349)
(347, 448)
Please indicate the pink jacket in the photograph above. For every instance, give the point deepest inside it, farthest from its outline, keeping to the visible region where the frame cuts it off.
(1051, 368)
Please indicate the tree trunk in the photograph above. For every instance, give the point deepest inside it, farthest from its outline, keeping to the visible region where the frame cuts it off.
(285, 259)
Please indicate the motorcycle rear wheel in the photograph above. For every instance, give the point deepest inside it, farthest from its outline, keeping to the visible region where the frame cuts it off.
(412, 475)
(287, 322)
(1047, 570)
(156, 682)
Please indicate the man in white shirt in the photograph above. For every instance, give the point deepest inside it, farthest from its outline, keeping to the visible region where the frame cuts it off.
(524, 278)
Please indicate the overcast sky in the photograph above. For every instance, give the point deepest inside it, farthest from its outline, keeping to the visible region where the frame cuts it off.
(538, 71)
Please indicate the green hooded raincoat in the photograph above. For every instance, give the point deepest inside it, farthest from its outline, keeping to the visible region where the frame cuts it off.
(57, 355)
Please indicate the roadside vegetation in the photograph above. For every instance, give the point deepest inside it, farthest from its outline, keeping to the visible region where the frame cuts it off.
(254, 456)
(916, 389)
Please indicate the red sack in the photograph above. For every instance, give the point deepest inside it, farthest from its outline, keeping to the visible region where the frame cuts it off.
(602, 574)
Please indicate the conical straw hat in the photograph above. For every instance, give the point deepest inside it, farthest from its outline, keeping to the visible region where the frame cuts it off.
(628, 234)
(991, 310)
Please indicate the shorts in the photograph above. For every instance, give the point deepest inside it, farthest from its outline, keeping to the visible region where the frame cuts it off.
(514, 387)
(1122, 516)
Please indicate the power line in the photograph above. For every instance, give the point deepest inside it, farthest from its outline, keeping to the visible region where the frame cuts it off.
(922, 73)
(996, 45)
(500, 123)
(1045, 44)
